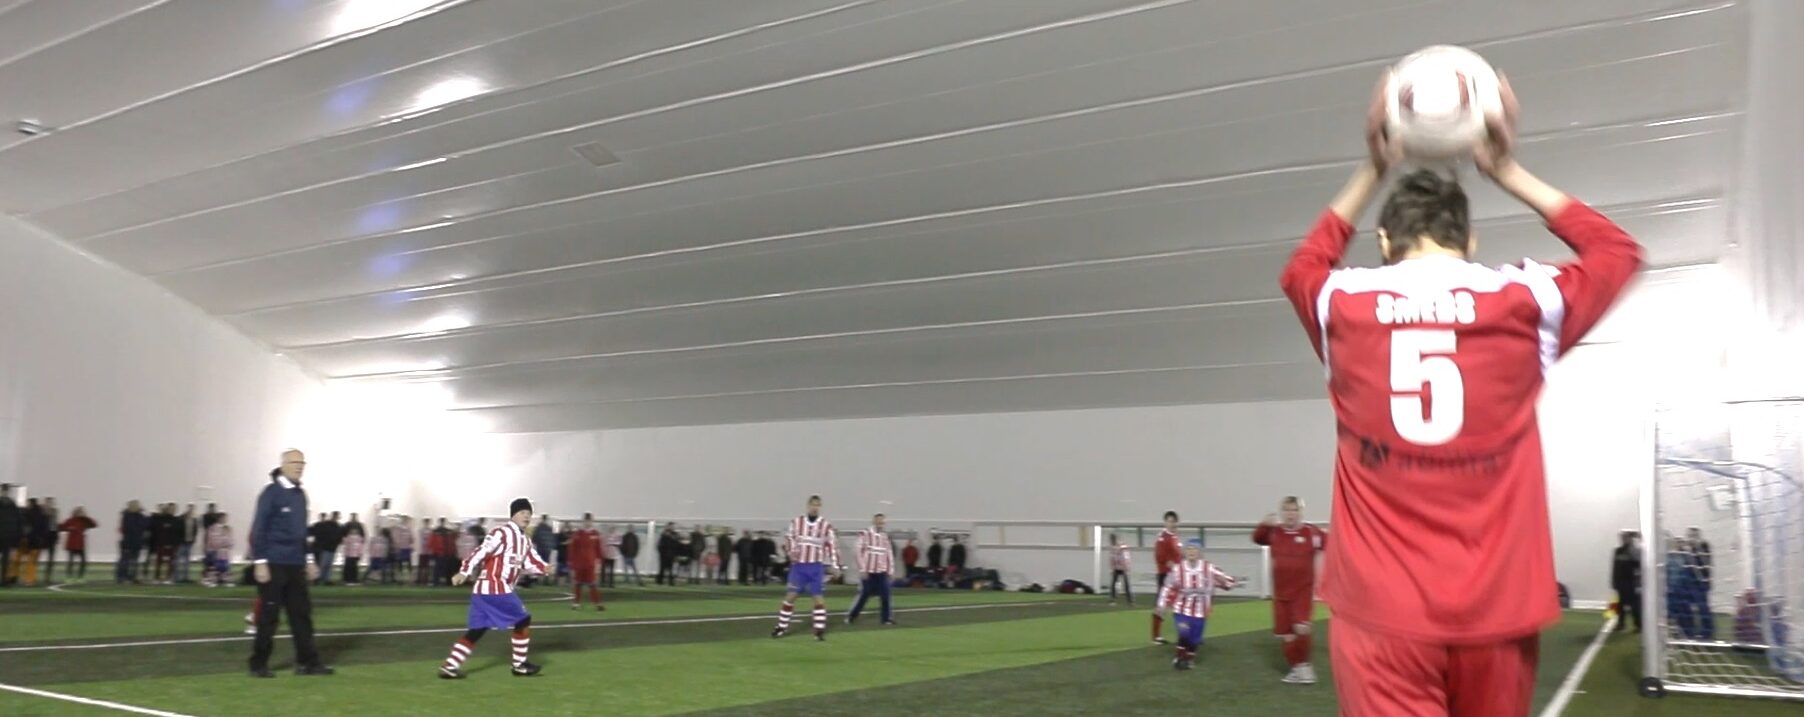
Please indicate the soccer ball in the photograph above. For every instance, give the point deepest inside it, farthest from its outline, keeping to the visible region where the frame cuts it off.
(1436, 101)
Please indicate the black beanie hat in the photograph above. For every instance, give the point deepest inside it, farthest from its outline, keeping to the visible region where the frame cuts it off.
(518, 505)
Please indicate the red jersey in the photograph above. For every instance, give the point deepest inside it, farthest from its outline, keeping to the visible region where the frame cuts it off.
(1434, 366)
(585, 548)
(1166, 551)
(77, 528)
(1293, 558)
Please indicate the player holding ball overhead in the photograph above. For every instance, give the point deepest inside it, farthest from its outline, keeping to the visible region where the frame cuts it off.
(1434, 365)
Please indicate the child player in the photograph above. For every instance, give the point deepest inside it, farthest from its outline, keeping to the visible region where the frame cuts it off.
(504, 554)
(585, 563)
(1121, 568)
(219, 554)
(1188, 593)
(813, 549)
(1294, 545)
(1166, 553)
(1441, 577)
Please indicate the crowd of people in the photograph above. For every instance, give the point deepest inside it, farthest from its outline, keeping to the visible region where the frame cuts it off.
(164, 545)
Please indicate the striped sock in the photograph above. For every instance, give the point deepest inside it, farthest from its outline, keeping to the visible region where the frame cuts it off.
(459, 653)
(783, 615)
(820, 618)
(521, 637)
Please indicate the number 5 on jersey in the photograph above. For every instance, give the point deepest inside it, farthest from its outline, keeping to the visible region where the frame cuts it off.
(1422, 361)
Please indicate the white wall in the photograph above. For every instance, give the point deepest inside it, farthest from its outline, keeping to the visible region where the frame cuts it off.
(111, 389)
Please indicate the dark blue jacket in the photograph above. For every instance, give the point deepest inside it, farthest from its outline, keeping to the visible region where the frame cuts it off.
(132, 526)
(279, 527)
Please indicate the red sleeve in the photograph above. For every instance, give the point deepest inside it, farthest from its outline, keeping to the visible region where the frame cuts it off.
(1309, 267)
(1607, 258)
(1262, 535)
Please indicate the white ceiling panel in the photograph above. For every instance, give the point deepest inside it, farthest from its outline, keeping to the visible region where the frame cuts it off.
(819, 208)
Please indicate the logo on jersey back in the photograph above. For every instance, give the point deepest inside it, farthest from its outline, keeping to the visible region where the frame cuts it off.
(1453, 307)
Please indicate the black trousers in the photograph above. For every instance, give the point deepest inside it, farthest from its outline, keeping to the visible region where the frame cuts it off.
(1630, 599)
(666, 569)
(607, 572)
(1121, 576)
(81, 555)
(350, 569)
(286, 590)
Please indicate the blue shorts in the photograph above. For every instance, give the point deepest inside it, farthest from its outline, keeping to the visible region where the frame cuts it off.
(496, 612)
(404, 556)
(808, 579)
(1190, 629)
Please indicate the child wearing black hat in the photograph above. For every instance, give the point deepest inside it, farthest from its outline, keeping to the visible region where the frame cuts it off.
(504, 554)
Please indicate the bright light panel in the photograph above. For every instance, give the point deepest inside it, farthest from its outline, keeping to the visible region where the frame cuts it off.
(364, 14)
(447, 91)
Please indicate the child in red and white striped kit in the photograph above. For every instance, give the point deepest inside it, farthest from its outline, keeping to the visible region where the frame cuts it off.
(219, 554)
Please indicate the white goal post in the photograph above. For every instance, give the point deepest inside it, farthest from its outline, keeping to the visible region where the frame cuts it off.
(1722, 525)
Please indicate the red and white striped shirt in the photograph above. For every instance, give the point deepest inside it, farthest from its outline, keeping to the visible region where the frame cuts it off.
(219, 540)
(1190, 589)
(811, 540)
(502, 555)
(874, 552)
(1121, 557)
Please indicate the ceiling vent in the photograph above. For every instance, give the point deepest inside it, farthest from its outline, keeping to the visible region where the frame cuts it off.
(595, 154)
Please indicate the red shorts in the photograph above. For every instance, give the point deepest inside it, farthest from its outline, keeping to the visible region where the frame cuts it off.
(581, 576)
(1383, 676)
(1288, 612)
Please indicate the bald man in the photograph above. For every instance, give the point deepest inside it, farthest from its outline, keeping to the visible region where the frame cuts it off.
(283, 567)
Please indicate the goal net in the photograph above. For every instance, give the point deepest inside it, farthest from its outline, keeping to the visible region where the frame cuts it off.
(1723, 551)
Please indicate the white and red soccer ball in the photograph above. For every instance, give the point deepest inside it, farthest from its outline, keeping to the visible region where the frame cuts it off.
(1436, 102)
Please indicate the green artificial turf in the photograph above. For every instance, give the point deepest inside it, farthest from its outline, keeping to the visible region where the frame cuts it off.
(703, 650)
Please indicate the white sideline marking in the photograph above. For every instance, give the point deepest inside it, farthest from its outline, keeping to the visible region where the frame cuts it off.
(90, 702)
(459, 630)
(66, 590)
(1569, 686)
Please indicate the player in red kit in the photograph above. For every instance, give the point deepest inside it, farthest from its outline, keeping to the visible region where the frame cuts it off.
(1441, 575)
(585, 563)
(1167, 553)
(1294, 545)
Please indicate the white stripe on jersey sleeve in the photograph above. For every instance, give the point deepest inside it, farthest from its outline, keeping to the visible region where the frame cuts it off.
(1539, 280)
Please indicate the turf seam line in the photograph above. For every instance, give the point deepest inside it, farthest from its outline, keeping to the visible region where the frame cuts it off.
(1568, 687)
(64, 589)
(90, 702)
(459, 630)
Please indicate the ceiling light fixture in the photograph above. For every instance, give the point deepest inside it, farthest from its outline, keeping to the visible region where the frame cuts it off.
(447, 91)
(364, 14)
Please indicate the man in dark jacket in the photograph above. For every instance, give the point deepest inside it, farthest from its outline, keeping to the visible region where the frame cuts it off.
(12, 530)
(698, 547)
(282, 568)
(166, 534)
(327, 535)
(669, 547)
(134, 525)
(1625, 579)
(764, 556)
(743, 551)
(629, 555)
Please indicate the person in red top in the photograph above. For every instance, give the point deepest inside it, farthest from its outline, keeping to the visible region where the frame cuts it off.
(1166, 555)
(76, 545)
(1441, 576)
(585, 563)
(1294, 545)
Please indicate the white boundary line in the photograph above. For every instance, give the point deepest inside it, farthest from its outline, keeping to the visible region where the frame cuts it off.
(459, 630)
(66, 590)
(90, 702)
(1569, 686)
